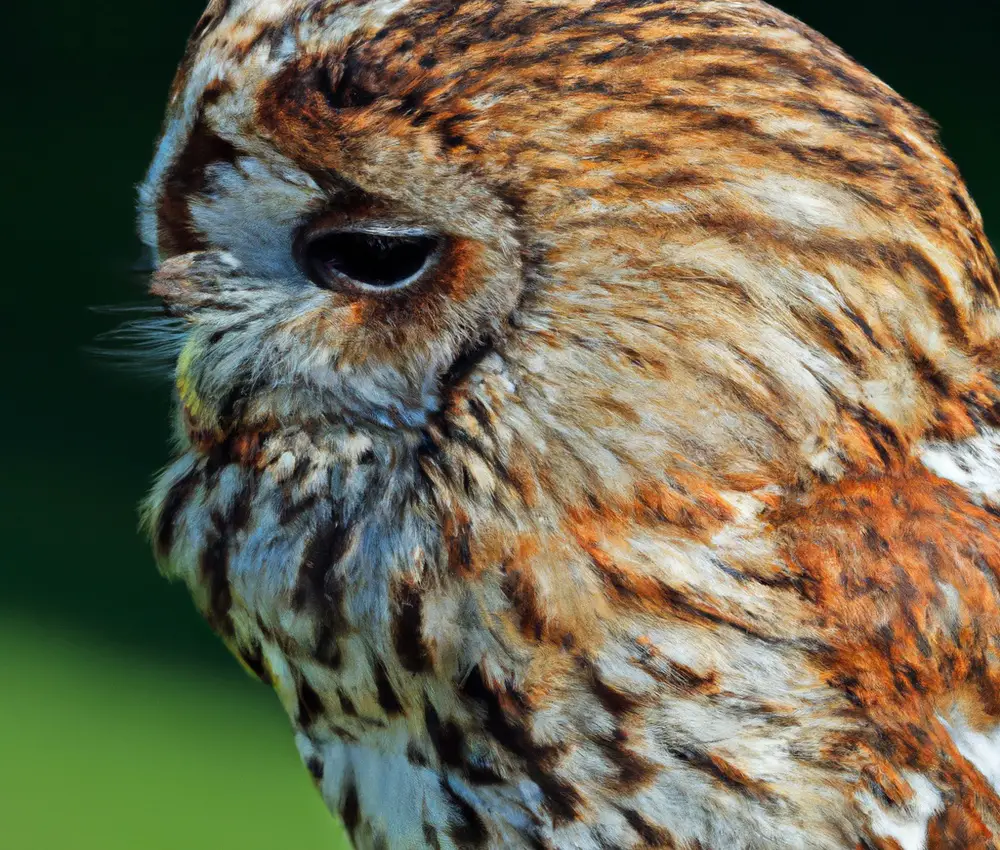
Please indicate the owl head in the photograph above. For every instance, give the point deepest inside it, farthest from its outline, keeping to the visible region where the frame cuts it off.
(605, 238)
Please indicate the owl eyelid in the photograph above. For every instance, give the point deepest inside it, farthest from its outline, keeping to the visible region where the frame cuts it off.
(371, 257)
(374, 227)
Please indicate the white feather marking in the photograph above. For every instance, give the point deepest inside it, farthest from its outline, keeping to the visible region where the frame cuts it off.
(980, 748)
(906, 824)
(668, 207)
(805, 203)
(973, 464)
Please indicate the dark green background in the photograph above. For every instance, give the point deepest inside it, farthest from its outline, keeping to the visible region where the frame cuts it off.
(127, 724)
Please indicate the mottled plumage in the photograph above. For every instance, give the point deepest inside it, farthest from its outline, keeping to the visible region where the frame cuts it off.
(660, 507)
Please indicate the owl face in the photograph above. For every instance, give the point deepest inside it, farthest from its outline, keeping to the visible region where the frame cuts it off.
(626, 234)
(317, 288)
(312, 303)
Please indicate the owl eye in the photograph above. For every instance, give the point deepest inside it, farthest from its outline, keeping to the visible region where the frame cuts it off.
(368, 260)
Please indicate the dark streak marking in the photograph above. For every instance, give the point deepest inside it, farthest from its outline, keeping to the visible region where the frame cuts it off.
(346, 705)
(723, 772)
(407, 636)
(654, 836)
(327, 651)
(689, 680)
(387, 697)
(253, 657)
(561, 799)
(310, 705)
(623, 586)
(447, 738)
(431, 837)
(836, 338)
(470, 831)
(316, 768)
(460, 550)
(341, 88)
(213, 567)
(615, 702)
(466, 363)
(239, 513)
(634, 771)
(350, 809)
(863, 326)
(481, 774)
(884, 438)
(943, 302)
(415, 757)
(323, 551)
(175, 502)
(518, 588)
(292, 510)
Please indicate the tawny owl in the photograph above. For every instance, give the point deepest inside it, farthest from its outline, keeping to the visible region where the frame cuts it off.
(589, 421)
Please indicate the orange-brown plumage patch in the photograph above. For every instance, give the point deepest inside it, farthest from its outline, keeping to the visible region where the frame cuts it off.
(686, 502)
(960, 826)
(902, 570)
(911, 532)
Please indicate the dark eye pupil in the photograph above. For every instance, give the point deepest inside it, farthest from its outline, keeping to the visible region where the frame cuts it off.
(372, 259)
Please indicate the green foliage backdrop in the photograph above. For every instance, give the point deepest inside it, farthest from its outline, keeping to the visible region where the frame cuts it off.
(122, 722)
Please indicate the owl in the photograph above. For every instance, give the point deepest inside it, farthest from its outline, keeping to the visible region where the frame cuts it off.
(588, 423)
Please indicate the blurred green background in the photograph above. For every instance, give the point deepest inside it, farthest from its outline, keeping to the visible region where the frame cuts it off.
(123, 724)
